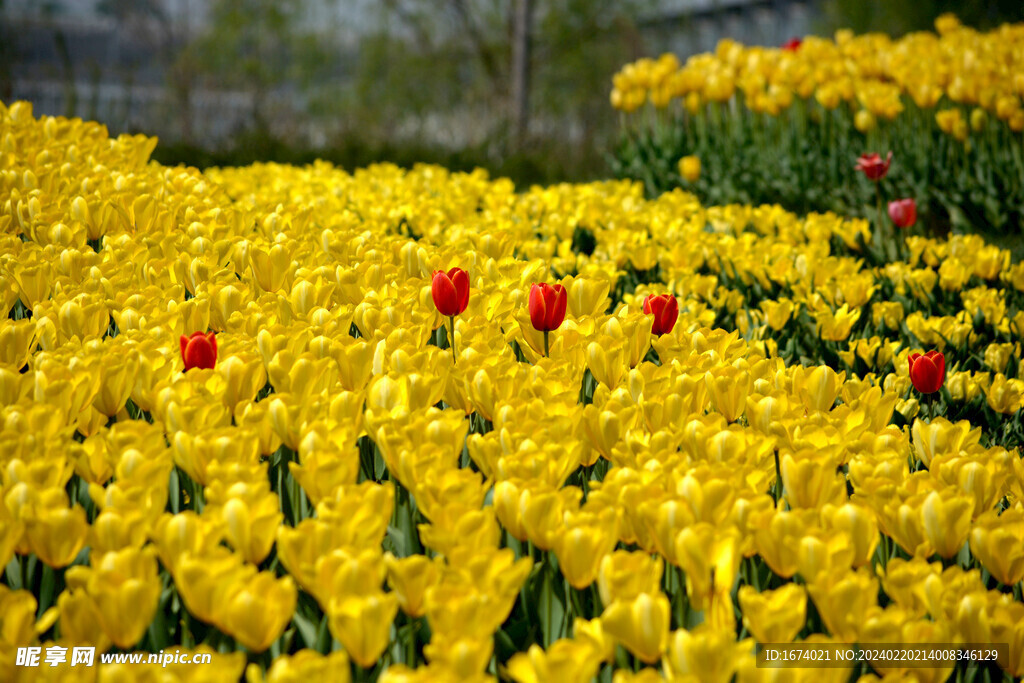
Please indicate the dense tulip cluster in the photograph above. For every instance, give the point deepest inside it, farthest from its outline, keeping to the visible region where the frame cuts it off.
(869, 73)
(778, 124)
(230, 424)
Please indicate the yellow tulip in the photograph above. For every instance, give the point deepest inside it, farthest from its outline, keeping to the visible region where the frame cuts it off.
(362, 624)
(836, 326)
(843, 600)
(810, 479)
(206, 581)
(329, 459)
(57, 535)
(689, 168)
(258, 610)
(310, 665)
(710, 558)
(79, 616)
(704, 654)
(592, 633)
(939, 435)
(584, 543)
(84, 317)
(624, 575)
(818, 388)
(608, 361)
(125, 586)
(864, 121)
(270, 266)
(542, 513)
(860, 526)
(641, 625)
(777, 312)
(587, 296)
(251, 514)
(1007, 626)
(186, 532)
(566, 660)
(774, 616)
(821, 556)
(244, 377)
(477, 528)
(1005, 396)
(728, 388)
(17, 342)
(997, 540)
(195, 452)
(461, 658)
(947, 520)
(410, 578)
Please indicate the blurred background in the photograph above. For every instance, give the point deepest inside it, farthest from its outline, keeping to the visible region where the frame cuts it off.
(519, 87)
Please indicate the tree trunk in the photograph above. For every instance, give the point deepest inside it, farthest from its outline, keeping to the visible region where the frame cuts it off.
(522, 18)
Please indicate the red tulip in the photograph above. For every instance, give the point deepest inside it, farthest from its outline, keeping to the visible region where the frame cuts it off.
(903, 212)
(451, 296)
(873, 166)
(665, 309)
(927, 372)
(450, 291)
(199, 350)
(547, 306)
(792, 44)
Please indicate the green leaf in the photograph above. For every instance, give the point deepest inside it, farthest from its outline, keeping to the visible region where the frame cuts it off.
(550, 608)
(307, 630)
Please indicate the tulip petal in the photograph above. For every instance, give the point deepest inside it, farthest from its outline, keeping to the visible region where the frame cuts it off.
(560, 300)
(445, 296)
(460, 279)
(670, 314)
(538, 307)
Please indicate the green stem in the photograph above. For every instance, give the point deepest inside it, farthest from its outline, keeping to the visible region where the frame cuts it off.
(883, 249)
(778, 478)
(547, 351)
(451, 325)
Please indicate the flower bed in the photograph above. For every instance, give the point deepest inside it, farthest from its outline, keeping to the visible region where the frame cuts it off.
(234, 422)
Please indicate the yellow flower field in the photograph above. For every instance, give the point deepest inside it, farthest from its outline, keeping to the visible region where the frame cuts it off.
(339, 498)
